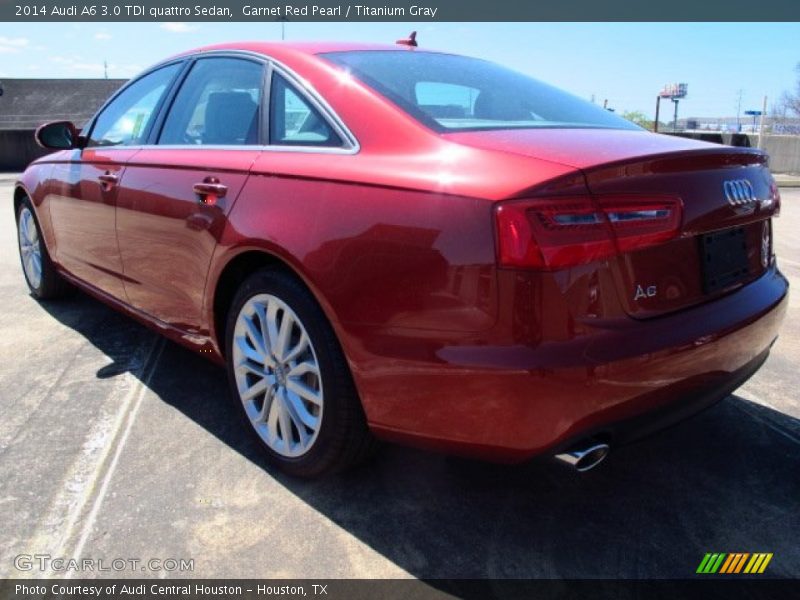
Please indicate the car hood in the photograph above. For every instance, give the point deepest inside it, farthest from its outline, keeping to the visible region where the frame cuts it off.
(578, 148)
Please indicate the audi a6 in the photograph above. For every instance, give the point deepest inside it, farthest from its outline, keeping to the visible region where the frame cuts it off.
(383, 242)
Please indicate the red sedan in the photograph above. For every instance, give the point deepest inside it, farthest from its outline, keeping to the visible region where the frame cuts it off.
(385, 242)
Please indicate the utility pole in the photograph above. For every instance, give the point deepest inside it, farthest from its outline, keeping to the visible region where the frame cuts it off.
(739, 113)
(761, 124)
(283, 27)
(105, 69)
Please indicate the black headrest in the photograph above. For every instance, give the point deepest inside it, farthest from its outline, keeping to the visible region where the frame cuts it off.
(502, 108)
(230, 118)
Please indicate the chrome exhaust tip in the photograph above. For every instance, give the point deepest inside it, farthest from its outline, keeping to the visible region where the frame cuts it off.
(586, 457)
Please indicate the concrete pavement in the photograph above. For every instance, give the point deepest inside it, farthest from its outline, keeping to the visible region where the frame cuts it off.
(117, 444)
(787, 180)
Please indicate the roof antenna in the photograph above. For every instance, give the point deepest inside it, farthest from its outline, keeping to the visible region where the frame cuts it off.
(411, 40)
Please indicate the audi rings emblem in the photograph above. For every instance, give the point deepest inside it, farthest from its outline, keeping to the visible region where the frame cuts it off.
(739, 192)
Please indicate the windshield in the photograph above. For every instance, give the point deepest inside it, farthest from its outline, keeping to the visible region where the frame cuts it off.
(457, 93)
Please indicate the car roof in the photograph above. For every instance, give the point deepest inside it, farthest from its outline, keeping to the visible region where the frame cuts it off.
(286, 50)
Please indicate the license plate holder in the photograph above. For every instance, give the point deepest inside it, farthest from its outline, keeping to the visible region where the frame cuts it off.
(724, 258)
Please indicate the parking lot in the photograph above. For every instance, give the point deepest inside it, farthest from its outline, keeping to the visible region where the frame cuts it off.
(117, 444)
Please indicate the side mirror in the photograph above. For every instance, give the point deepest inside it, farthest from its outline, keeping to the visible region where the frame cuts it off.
(59, 135)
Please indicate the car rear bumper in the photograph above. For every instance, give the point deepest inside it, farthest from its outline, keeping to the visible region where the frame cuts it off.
(512, 402)
(674, 404)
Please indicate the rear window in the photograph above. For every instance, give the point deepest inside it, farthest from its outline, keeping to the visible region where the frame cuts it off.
(456, 93)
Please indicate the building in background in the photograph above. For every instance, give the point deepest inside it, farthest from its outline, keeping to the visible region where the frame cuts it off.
(27, 103)
(773, 125)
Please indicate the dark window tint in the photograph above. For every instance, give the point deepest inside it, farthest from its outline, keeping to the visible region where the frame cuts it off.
(293, 121)
(218, 103)
(127, 119)
(445, 100)
(449, 92)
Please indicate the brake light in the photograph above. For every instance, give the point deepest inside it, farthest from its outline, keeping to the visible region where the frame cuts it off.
(775, 198)
(553, 233)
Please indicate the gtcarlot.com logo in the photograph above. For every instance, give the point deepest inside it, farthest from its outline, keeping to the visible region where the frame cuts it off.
(733, 563)
(46, 563)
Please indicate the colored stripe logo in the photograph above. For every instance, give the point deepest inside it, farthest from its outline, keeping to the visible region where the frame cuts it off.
(735, 562)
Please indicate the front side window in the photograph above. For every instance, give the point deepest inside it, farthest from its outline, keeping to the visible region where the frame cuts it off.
(293, 121)
(218, 103)
(452, 93)
(127, 119)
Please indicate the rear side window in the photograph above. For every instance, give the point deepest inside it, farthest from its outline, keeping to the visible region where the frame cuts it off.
(294, 121)
(218, 103)
(127, 119)
(452, 93)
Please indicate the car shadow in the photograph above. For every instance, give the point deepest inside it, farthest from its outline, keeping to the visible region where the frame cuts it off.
(724, 481)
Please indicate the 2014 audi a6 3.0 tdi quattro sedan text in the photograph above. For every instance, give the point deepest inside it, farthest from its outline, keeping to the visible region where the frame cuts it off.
(385, 242)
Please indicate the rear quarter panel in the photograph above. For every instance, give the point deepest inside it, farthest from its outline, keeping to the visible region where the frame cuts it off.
(373, 255)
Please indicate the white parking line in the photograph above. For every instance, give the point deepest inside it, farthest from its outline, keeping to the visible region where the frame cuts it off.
(57, 527)
(88, 523)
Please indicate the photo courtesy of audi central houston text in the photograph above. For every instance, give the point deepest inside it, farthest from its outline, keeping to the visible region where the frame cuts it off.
(385, 242)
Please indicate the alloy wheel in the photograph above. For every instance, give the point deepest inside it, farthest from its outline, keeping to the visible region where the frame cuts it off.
(277, 375)
(30, 247)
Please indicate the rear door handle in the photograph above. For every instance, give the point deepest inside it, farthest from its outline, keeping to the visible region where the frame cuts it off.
(210, 190)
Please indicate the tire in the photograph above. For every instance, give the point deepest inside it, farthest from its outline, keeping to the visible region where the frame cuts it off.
(44, 282)
(297, 381)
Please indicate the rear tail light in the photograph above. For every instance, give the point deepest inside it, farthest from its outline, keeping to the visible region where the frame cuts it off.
(775, 198)
(553, 233)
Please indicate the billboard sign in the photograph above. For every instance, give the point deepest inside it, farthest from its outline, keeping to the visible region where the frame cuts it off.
(674, 90)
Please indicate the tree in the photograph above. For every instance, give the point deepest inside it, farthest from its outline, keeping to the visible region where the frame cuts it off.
(790, 101)
(638, 117)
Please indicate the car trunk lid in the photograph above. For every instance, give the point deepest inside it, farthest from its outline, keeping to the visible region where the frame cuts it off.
(727, 195)
(728, 198)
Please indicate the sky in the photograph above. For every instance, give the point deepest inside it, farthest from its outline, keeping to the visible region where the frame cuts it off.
(624, 63)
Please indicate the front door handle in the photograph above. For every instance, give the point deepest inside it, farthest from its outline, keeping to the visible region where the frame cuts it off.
(210, 190)
(108, 180)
